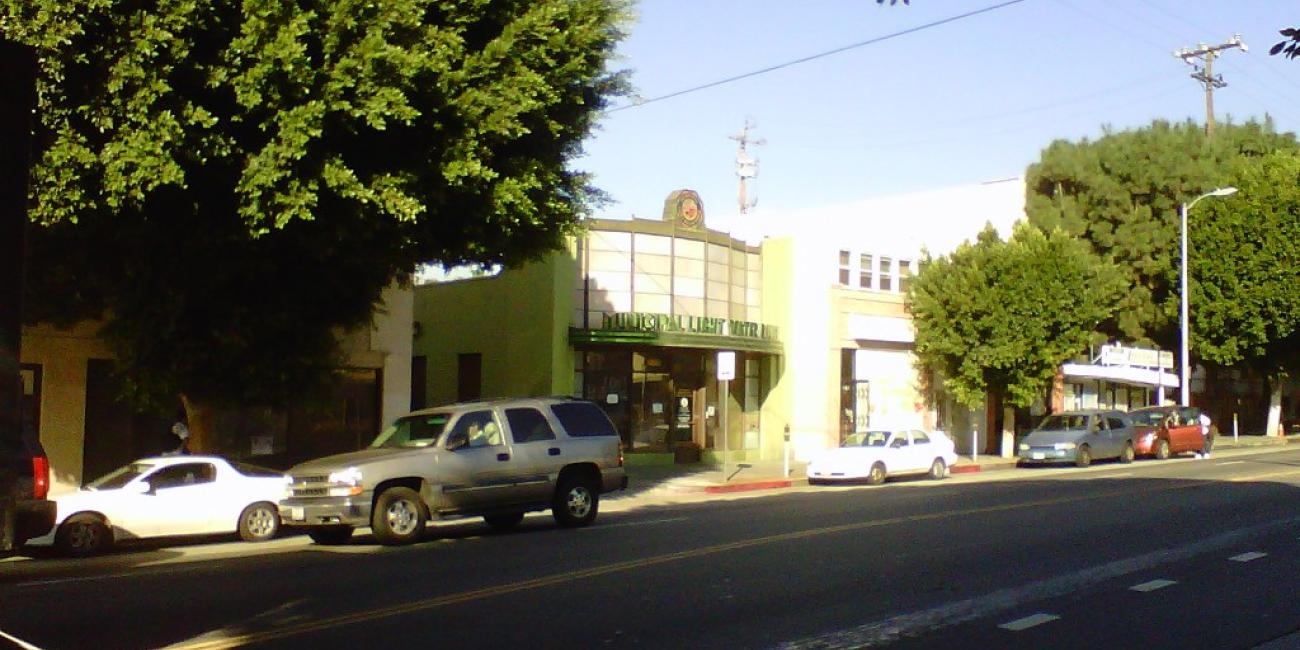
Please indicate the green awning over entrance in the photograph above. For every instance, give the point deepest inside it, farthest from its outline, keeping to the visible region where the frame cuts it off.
(579, 336)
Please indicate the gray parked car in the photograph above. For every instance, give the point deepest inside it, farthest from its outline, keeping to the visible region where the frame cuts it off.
(1078, 437)
(496, 459)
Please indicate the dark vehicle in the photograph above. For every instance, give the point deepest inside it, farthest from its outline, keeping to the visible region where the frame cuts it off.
(1162, 431)
(29, 468)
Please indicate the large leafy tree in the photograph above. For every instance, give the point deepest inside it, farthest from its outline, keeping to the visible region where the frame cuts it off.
(1245, 273)
(998, 318)
(228, 184)
(1121, 193)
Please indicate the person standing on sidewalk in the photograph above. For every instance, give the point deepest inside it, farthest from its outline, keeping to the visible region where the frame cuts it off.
(1207, 435)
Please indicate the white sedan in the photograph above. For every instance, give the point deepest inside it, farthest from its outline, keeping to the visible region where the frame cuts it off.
(876, 455)
(168, 495)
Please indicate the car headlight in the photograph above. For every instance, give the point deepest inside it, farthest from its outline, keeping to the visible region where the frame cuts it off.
(1024, 446)
(1064, 445)
(345, 483)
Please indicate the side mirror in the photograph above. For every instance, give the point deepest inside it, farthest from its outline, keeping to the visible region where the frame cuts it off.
(457, 440)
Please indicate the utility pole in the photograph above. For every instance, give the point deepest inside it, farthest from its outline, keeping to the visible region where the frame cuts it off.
(746, 167)
(1202, 60)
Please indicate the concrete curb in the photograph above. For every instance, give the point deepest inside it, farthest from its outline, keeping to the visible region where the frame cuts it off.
(745, 487)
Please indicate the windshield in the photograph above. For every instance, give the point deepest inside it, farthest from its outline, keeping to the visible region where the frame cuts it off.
(1064, 422)
(1147, 418)
(866, 439)
(412, 431)
(121, 476)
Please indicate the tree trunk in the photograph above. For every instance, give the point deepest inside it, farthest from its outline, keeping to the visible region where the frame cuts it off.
(1274, 405)
(201, 420)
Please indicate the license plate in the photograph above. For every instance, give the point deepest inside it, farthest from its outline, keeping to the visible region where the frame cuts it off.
(1038, 455)
(297, 514)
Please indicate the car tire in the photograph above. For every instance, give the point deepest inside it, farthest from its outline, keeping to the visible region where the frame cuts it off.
(398, 517)
(503, 522)
(259, 522)
(1127, 455)
(1162, 449)
(1084, 457)
(877, 475)
(82, 535)
(938, 469)
(330, 535)
(576, 502)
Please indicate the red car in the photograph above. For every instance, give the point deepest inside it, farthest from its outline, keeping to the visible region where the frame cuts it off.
(1162, 431)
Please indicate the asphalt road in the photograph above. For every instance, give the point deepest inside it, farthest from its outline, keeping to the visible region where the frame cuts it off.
(1178, 554)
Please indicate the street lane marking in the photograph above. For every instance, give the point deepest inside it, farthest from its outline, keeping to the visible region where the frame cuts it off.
(1231, 462)
(629, 565)
(1027, 622)
(1153, 585)
(636, 523)
(1246, 557)
(17, 641)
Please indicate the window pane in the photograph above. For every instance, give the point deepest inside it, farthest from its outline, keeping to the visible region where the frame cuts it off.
(886, 275)
(582, 419)
(528, 425)
(844, 258)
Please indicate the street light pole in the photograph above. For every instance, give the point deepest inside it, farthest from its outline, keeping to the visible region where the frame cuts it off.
(1184, 369)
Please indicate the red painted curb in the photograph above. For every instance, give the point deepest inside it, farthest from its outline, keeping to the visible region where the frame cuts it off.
(964, 469)
(741, 487)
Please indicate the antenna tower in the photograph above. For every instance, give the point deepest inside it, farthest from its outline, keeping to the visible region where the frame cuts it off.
(746, 166)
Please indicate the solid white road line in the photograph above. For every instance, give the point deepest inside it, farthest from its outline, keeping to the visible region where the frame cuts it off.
(1153, 585)
(17, 641)
(1231, 462)
(1027, 622)
(1246, 557)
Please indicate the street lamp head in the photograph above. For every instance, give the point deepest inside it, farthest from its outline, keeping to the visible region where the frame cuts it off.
(1224, 191)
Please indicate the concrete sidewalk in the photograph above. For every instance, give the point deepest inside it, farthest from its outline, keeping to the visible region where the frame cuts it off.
(705, 478)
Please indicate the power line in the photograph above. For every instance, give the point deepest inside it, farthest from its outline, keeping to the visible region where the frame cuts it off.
(773, 68)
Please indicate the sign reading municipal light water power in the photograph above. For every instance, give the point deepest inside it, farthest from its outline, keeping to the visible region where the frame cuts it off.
(726, 365)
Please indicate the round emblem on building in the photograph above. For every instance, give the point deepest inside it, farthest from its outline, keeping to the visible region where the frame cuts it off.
(685, 208)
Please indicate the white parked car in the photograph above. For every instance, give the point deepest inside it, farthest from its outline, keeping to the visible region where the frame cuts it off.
(876, 455)
(168, 495)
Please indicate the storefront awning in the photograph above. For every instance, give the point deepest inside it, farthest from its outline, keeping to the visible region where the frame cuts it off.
(579, 336)
(1121, 374)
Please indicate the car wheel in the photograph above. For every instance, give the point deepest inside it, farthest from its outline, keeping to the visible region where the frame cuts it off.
(83, 534)
(330, 535)
(398, 517)
(576, 502)
(1127, 455)
(877, 474)
(259, 522)
(1084, 457)
(504, 521)
(1162, 449)
(938, 469)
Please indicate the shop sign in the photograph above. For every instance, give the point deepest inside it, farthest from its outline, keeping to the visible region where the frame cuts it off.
(642, 322)
(1118, 355)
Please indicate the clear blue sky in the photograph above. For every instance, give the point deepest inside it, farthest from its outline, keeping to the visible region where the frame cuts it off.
(960, 103)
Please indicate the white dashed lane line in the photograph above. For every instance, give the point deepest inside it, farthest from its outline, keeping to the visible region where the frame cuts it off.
(1152, 585)
(18, 642)
(1246, 557)
(1027, 622)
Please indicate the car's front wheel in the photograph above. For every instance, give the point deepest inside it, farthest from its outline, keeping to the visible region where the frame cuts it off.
(259, 522)
(398, 517)
(1084, 458)
(83, 534)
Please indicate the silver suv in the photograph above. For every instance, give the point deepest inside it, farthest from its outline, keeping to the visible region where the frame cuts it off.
(496, 459)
